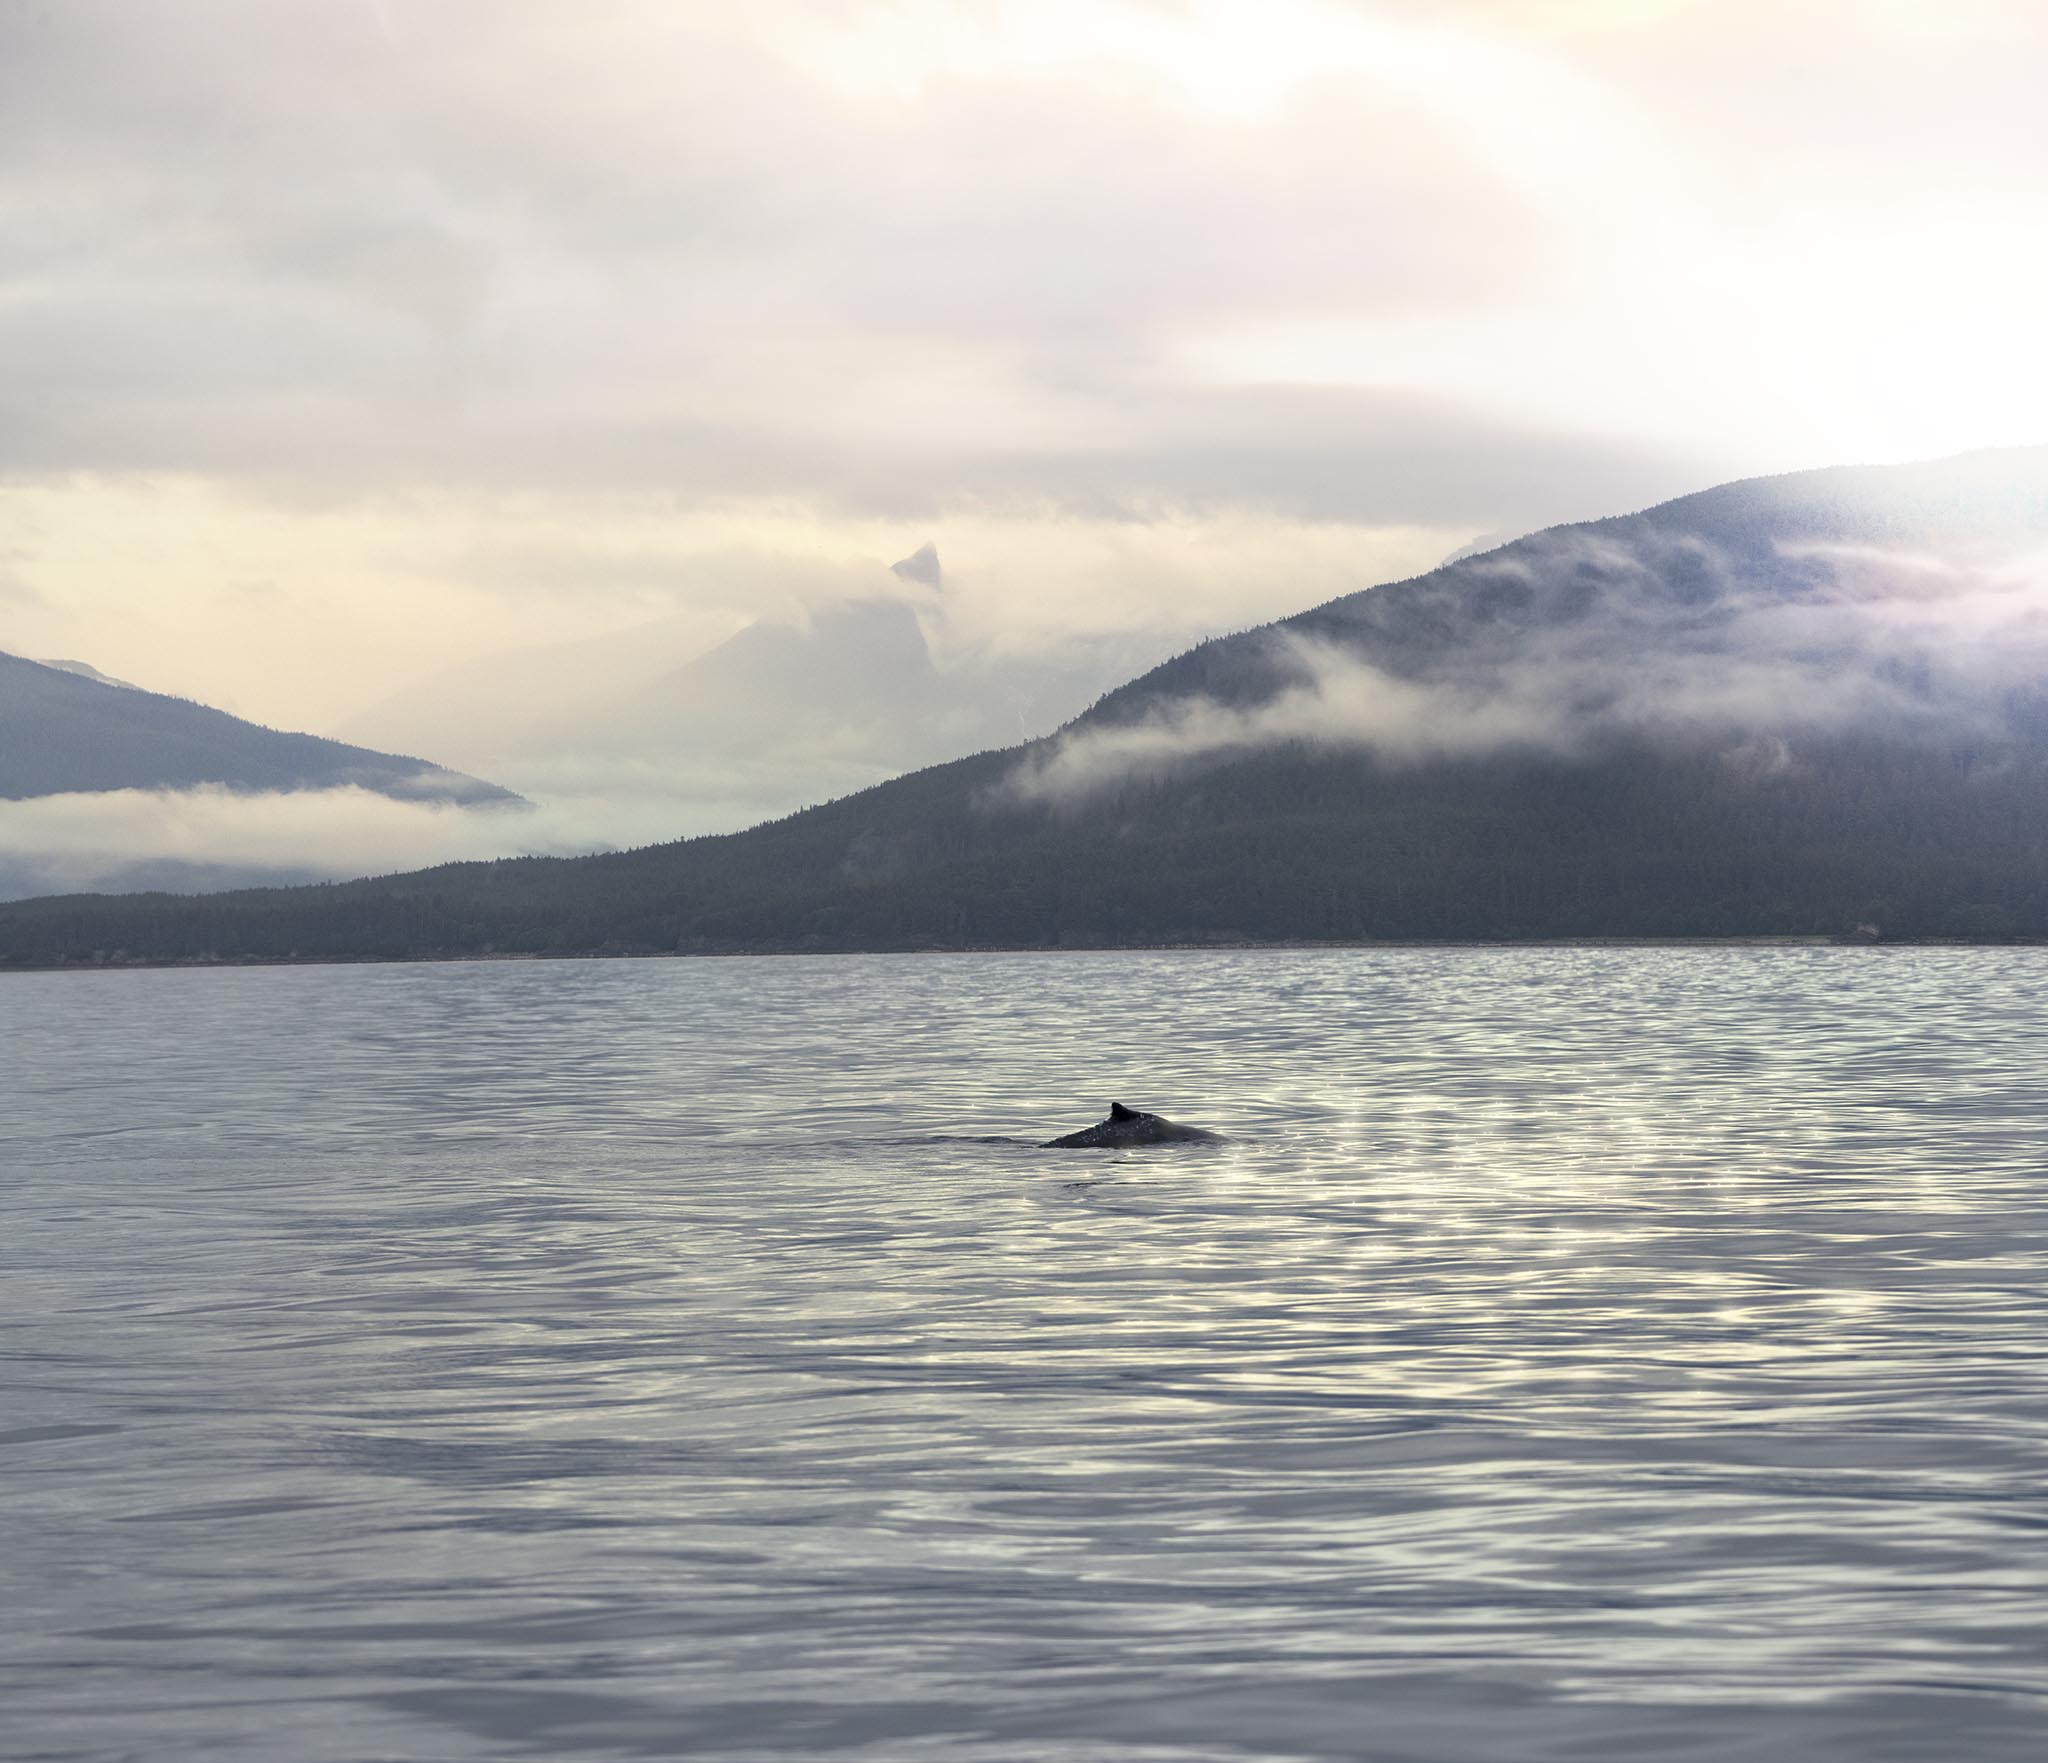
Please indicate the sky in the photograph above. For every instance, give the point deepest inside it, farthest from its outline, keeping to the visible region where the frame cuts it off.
(347, 342)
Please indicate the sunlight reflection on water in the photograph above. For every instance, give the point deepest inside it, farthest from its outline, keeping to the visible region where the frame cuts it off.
(1574, 1352)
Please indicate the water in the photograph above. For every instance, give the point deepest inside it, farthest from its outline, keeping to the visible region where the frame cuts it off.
(1577, 1354)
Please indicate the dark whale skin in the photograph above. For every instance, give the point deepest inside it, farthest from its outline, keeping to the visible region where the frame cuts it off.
(1126, 1127)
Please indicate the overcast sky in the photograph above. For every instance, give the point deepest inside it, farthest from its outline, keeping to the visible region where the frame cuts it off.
(345, 340)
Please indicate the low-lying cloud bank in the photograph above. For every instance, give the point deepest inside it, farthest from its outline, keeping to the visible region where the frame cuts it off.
(1656, 636)
(208, 838)
(1339, 701)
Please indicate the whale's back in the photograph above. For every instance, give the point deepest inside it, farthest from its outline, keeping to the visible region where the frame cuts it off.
(1132, 1126)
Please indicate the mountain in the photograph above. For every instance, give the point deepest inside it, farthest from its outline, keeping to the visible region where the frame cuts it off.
(84, 670)
(511, 704)
(1788, 706)
(860, 684)
(872, 679)
(61, 731)
(845, 679)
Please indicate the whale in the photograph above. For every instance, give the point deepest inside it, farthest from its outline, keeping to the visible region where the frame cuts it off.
(1130, 1126)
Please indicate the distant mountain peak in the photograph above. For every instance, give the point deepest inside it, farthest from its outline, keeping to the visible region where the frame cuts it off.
(921, 566)
(86, 670)
(1478, 547)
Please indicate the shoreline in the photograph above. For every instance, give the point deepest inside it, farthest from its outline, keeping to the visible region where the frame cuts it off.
(225, 962)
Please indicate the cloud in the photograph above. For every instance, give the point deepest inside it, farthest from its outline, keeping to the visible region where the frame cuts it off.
(1337, 700)
(488, 246)
(212, 837)
(897, 257)
(473, 324)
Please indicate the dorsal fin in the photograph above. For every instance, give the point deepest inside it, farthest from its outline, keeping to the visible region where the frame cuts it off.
(1117, 1111)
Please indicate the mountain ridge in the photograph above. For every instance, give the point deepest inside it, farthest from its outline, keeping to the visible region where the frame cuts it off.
(63, 732)
(1789, 706)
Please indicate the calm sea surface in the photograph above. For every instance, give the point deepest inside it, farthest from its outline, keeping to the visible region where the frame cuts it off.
(1575, 1354)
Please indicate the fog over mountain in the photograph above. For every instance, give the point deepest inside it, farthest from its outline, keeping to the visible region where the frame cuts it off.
(1792, 706)
(1885, 601)
(97, 778)
(679, 726)
(665, 730)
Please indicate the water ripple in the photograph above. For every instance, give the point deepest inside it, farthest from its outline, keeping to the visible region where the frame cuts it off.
(1572, 1353)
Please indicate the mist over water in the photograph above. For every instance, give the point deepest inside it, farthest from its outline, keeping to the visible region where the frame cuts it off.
(1575, 1353)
